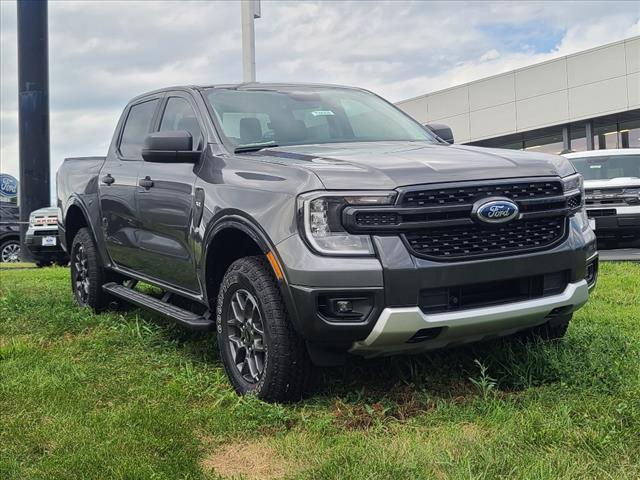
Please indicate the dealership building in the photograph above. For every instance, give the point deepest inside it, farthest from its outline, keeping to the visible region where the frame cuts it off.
(585, 101)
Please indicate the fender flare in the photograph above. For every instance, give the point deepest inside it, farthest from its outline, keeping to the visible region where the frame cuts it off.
(75, 201)
(239, 221)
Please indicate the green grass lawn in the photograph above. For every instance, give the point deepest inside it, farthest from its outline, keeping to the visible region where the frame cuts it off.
(125, 395)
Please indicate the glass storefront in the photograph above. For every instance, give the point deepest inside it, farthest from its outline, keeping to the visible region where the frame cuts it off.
(547, 144)
(612, 131)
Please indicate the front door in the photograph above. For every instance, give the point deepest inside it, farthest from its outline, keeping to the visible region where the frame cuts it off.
(118, 183)
(165, 199)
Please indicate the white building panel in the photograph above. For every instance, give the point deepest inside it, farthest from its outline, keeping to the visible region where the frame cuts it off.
(598, 98)
(633, 90)
(492, 91)
(632, 54)
(417, 108)
(493, 121)
(543, 110)
(540, 79)
(459, 126)
(595, 65)
(448, 103)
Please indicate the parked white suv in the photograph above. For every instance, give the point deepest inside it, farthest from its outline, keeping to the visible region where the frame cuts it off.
(612, 193)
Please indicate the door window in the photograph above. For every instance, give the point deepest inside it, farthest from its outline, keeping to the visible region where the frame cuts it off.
(136, 128)
(179, 115)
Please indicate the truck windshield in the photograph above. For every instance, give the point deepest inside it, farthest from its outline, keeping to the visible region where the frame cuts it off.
(309, 116)
(607, 167)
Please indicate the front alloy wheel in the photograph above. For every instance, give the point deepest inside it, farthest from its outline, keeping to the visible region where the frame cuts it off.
(261, 352)
(81, 278)
(246, 336)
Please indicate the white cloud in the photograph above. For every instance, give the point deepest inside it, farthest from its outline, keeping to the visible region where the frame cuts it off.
(104, 52)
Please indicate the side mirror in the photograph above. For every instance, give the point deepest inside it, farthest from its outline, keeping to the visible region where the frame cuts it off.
(442, 131)
(173, 146)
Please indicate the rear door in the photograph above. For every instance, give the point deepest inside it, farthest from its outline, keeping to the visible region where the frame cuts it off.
(118, 182)
(165, 197)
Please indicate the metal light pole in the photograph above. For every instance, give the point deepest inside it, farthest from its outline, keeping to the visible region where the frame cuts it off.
(250, 11)
(33, 109)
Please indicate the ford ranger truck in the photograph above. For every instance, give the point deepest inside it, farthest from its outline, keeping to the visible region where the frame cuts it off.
(306, 223)
(612, 194)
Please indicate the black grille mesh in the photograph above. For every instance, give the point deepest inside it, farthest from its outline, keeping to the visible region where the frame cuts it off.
(377, 219)
(475, 240)
(469, 194)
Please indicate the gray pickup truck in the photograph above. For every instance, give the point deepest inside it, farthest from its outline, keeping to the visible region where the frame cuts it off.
(308, 222)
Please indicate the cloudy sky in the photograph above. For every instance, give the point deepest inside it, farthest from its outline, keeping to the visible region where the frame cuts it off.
(102, 53)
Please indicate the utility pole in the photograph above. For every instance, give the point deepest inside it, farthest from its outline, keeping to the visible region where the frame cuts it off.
(250, 11)
(33, 109)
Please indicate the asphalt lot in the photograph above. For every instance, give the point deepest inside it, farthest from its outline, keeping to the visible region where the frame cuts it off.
(620, 255)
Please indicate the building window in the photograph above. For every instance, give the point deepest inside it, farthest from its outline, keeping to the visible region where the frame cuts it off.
(578, 135)
(629, 134)
(547, 144)
(606, 137)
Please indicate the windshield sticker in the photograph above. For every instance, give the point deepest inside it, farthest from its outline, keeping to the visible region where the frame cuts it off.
(595, 166)
(322, 113)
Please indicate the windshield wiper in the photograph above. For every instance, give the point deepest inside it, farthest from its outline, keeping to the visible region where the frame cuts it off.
(254, 147)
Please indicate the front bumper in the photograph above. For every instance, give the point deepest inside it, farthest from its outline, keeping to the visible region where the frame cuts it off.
(396, 327)
(34, 243)
(395, 280)
(616, 223)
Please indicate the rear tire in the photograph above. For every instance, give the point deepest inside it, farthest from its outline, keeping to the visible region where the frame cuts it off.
(551, 330)
(261, 352)
(87, 273)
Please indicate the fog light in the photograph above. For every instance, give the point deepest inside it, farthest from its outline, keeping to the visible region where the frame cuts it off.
(344, 306)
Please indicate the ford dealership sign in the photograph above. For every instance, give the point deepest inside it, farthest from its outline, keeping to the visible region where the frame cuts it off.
(8, 186)
(495, 210)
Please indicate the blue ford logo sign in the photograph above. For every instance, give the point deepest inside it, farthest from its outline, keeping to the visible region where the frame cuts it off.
(495, 210)
(8, 186)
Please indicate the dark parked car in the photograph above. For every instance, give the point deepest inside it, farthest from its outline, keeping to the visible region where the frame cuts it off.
(304, 223)
(9, 233)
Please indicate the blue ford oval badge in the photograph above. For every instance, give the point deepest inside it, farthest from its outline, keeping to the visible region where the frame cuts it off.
(495, 210)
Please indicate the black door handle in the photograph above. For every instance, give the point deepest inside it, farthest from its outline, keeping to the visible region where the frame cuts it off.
(146, 182)
(108, 179)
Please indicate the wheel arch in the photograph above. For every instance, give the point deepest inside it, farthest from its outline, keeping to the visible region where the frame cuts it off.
(233, 237)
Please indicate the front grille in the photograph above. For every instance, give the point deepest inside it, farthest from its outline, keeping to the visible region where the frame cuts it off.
(465, 241)
(470, 194)
(606, 212)
(460, 297)
(377, 218)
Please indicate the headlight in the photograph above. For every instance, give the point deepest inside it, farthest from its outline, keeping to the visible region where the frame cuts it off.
(322, 223)
(573, 183)
(32, 220)
(582, 219)
(632, 192)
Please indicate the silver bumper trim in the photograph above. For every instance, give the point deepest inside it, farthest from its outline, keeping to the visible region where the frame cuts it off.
(395, 326)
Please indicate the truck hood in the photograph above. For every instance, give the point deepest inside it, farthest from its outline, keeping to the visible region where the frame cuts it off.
(630, 182)
(387, 165)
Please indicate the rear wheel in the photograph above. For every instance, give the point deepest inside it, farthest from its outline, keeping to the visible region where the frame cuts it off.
(10, 251)
(261, 352)
(87, 273)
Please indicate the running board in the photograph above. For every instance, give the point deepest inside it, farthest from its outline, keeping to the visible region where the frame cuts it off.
(180, 315)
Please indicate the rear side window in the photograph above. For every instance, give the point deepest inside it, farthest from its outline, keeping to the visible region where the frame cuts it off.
(179, 115)
(136, 128)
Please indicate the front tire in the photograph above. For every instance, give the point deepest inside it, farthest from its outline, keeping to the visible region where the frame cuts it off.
(87, 273)
(261, 352)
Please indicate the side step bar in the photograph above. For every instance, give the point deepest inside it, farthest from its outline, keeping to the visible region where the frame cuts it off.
(180, 315)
